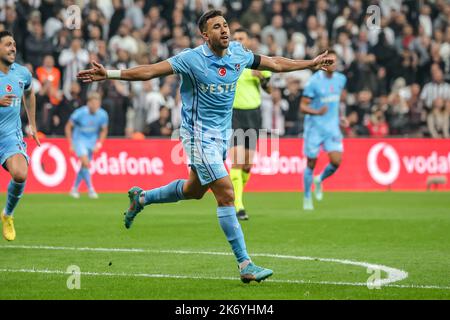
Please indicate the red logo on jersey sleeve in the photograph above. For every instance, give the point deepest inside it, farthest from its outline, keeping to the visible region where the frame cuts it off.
(222, 71)
(9, 88)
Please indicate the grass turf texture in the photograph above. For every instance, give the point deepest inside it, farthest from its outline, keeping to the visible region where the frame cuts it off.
(408, 231)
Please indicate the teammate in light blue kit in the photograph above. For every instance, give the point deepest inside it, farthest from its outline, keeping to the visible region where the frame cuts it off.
(15, 85)
(209, 74)
(321, 102)
(86, 130)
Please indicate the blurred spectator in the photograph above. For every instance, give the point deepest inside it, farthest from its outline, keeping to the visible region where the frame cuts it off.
(136, 14)
(293, 117)
(116, 103)
(377, 125)
(344, 50)
(254, 14)
(37, 46)
(72, 60)
(438, 119)
(48, 72)
(154, 22)
(161, 127)
(277, 31)
(274, 118)
(425, 20)
(61, 113)
(293, 19)
(417, 113)
(354, 128)
(436, 89)
(116, 18)
(123, 40)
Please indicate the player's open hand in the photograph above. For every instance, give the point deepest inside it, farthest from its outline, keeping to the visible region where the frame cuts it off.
(322, 61)
(96, 73)
(7, 100)
(33, 134)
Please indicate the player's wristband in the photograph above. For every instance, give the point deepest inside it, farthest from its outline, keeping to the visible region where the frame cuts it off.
(113, 74)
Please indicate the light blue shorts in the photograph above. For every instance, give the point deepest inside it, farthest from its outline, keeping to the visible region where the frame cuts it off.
(206, 156)
(313, 140)
(81, 148)
(10, 147)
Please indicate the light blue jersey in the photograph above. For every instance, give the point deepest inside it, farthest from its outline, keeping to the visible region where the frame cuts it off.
(323, 129)
(86, 129)
(15, 82)
(208, 86)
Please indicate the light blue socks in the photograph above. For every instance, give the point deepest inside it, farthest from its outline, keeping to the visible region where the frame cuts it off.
(15, 192)
(328, 171)
(172, 192)
(85, 175)
(307, 181)
(232, 229)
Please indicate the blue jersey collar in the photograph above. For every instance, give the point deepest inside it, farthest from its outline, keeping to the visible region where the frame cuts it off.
(208, 53)
(12, 67)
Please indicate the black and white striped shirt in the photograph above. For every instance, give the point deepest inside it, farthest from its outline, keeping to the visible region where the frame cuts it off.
(433, 90)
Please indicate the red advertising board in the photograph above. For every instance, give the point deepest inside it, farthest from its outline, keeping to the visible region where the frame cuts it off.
(368, 164)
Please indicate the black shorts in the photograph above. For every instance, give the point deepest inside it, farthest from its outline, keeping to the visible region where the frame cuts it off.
(246, 124)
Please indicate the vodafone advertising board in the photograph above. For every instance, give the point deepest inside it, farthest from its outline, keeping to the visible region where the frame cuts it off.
(368, 164)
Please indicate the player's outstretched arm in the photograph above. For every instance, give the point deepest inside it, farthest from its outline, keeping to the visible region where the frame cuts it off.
(139, 73)
(281, 64)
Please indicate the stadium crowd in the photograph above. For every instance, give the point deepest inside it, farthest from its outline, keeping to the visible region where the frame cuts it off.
(398, 74)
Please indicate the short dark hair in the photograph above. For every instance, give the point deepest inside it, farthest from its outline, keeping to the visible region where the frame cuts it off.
(206, 16)
(240, 29)
(330, 51)
(5, 33)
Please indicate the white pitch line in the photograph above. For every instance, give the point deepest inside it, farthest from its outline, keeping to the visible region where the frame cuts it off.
(193, 277)
(393, 274)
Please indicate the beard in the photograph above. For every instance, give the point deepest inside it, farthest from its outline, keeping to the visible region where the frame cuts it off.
(6, 62)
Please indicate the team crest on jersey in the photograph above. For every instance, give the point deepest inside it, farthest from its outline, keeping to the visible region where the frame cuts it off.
(21, 84)
(222, 71)
(237, 66)
(9, 88)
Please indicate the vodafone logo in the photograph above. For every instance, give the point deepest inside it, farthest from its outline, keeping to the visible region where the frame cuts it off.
(383, 177)
(8, 88)
(222, 71)
(49, 179)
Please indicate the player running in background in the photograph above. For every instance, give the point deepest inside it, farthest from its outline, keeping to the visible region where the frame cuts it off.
(246, 124)
(86, 130)
(209, 75)
(321, 104)
(15, 84)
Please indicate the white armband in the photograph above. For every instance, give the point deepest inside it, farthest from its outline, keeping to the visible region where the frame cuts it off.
(113, 74)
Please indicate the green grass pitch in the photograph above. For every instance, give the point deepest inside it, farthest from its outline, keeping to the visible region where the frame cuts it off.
(181, 252)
